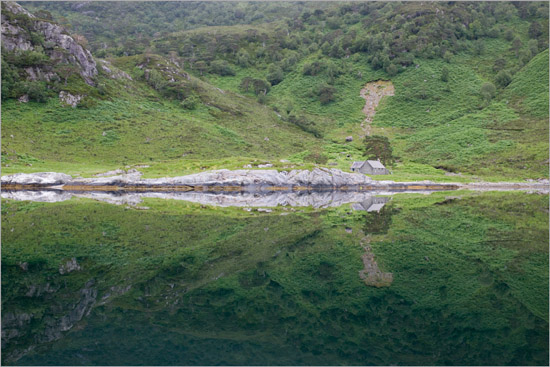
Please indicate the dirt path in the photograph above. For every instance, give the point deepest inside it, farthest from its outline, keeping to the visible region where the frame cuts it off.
(373, 93)
(371, 274)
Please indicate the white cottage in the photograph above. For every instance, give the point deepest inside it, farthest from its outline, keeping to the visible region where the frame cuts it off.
(369, 168)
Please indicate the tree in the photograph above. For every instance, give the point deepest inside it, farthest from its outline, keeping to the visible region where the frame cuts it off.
(275, 74)
(535, 30)
(36, 91)
(190, 102)
(221, 67)
(11, 84)
(201, 66)
(499, 64)
(243, 58)
(447, 56)
(156, 80)
(326, 93)
(391, 70)
(533, 47)
(479, 47)
(516, 45)
(260, 86)
(503, 78)
(444, 74)
(509, 35)
(379, 147)
(488, 91)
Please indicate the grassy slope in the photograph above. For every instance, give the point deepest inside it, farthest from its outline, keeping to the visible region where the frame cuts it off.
(503, 139)
(138, 126)
(432, 124)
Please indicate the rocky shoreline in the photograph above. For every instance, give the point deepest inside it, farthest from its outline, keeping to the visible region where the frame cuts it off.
(219, 180)
(319, 179)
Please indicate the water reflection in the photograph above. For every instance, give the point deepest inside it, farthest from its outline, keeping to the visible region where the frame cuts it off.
(316, 199)
(422, 280)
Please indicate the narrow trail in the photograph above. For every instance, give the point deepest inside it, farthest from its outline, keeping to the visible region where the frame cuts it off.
(372, 94)
(371, 273)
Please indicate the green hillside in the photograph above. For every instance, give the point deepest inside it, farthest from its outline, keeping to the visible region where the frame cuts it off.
(471, 89)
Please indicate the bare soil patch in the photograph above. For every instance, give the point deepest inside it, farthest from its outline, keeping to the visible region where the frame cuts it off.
(373, 93)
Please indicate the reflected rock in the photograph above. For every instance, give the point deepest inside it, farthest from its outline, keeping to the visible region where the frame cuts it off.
(371, 204)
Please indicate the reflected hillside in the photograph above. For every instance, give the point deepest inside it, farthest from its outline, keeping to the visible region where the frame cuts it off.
(182, 283)
(316, 199)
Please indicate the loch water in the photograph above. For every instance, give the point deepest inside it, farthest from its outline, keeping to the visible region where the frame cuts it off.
(445, 278)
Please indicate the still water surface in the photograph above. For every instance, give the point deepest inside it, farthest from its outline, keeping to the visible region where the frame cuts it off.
(455, 278)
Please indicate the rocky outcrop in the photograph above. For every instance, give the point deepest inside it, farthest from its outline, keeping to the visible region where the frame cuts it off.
(39, 179)
(69, 266)
(251, 181)
(68, 99)
(319, 177)
(61, 47)
(113, 72)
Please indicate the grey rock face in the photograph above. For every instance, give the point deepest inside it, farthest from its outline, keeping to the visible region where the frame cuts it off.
(37, 290)
(77, 53)
(317, 177)
(14, 37)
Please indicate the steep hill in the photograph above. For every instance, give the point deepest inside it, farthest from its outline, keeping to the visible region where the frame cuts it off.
(471, 90)
(154, 113)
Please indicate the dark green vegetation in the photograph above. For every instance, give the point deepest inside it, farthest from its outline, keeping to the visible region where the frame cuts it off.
(471, 88)
(184, 284)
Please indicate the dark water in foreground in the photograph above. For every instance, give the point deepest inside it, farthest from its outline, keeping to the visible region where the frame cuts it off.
(442, 279)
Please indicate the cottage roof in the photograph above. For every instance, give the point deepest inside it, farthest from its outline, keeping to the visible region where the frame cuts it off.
(357, 165)
(376, 164)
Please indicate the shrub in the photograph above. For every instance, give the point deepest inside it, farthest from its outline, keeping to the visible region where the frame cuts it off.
(275, 74)
(499, 64)
(303, 123)
(503, 78)
(314, 68)
(445, 74)
(260, 86)
(488, 91)
(391, 70)
(36, 91)
(191, 102)
(221, 67)
(326, 93)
